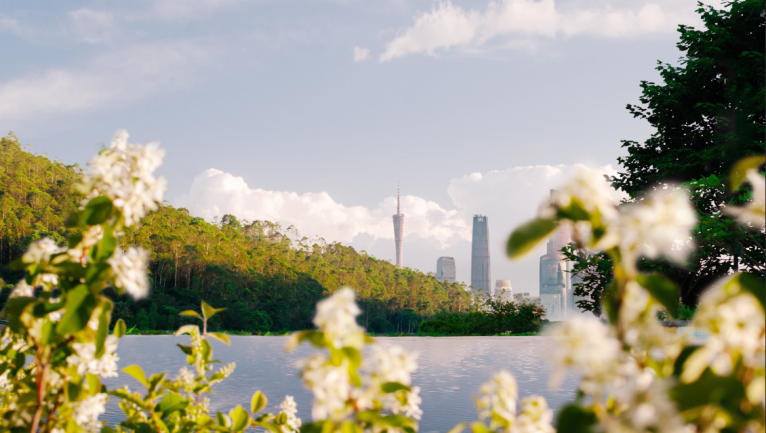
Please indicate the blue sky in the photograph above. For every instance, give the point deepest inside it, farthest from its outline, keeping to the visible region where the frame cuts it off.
(474, 106)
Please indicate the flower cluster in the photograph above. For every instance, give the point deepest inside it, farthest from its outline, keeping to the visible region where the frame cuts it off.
(86, 361)
(290, 409)
(125, 173)
(497, 403)
(130, 271)
(336, 317)
(86, 412)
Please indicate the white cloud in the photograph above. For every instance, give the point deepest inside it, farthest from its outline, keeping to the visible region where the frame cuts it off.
(92, 26)
(448, 25)
(360, 54)
(111, 79)
(508, 197)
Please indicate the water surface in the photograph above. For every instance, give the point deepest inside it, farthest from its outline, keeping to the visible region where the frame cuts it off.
(450, 371)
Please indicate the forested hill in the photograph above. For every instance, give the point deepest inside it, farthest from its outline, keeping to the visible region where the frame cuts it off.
(267, 276)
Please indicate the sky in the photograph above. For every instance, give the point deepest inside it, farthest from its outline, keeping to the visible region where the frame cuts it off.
(311, 112)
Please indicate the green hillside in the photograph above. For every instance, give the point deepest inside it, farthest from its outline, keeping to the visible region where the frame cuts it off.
(269, 277)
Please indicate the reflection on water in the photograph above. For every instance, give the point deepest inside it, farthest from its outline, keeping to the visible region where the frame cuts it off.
(451, 369)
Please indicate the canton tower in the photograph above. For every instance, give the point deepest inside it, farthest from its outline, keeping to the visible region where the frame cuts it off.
(398, 230)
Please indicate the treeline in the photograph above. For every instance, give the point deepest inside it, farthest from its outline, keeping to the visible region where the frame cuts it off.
(269, 277)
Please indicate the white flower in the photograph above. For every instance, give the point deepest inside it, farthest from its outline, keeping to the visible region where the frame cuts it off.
(4, 382)
(330, 385)
(585, 345)
(90, 237)
(755, 211)
(393, 364)
(587, 187)
(336, 317)
(86, 361)
(124, 173)
(499, 396)
(130, 272)
(646, 404)
(40, 251)
(535, 416)
(22, 290)
(412, 407)
(661, 224)
(186, 377)
(86, 412)
(290, 409)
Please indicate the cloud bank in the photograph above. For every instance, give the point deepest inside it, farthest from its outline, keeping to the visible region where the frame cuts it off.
(508, 197)
(448, 25)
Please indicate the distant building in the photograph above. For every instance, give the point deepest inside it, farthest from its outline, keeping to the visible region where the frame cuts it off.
(555, 288)
(398, 231)
(445, 269)
(503, 289)
(480, 269)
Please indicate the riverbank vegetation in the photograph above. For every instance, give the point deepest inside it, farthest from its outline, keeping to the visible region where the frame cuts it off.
(269, 278)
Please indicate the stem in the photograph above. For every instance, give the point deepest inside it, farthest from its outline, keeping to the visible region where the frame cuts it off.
(42, 377)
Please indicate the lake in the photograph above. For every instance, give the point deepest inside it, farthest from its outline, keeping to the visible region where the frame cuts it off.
(450, 371)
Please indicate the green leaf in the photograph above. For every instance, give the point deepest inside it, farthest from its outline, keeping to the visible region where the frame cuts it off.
(350, 427)
(94, 384)
(15, 306)
(575, 419)
(120, 328)
(526, 237)
(97, 210)
(223, 420)
(353, 355)
(478, 427)
(708, 389)
(258, 402)
(186, 329)
(663, 290)
(739, 171)
(137, 373)
(220, 336)
(103, 326)
(108, 242)
(79, 307)
(240, 419)
(389, 387)
(754, 285)
(171, 402)
(155, 380)
(186, 349)
(209, 311)
(458, 428)
(190, 313)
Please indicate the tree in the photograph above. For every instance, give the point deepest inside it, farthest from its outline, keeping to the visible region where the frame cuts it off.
(708, 113)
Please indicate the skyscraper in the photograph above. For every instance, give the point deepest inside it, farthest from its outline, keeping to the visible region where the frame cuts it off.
(398, 230)
(445, 269)
(555, 290)
(480, 270)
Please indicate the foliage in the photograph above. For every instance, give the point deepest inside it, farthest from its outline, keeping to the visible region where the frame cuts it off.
(492, 315)
(708, 113)
(634, 376)
(591, 274)
(269, 278)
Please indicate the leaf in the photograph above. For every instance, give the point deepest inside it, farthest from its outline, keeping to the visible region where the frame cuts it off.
(209, 311)
(120, 328)
(663, 290)
(353, 355)
(15, 306)
(754, 285)
(350, 427)
(220, 336)
(171, 403)
(478, 427)
(458, 428)
(390, 387)
(223, 420)
(94, 384)
(708, 389)
(103, 326)
(526, 237)
(79, 307)
(258, 402)
(154, 381)
(575, 419)
(137, 373)
(186, 349)
(97, 210)
(186, 329)
(739, 171)
(108, 242)
(240, 419)
(190, 313)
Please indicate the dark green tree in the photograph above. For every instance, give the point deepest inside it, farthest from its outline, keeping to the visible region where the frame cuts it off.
(708, 113)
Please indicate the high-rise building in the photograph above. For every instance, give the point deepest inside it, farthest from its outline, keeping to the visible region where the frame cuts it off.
(398, 230)
(480, 269)
(555, 288)
(445, 269)
(503, 289)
